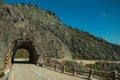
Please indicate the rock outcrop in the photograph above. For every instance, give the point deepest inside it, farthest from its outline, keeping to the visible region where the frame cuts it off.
(49, 35)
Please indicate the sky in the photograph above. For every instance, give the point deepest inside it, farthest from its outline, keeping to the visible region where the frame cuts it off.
(98, 17)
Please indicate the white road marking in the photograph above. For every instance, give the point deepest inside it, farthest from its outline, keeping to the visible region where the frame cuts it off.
(40, 74)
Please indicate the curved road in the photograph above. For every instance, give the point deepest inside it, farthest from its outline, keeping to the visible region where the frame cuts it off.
(22, 71)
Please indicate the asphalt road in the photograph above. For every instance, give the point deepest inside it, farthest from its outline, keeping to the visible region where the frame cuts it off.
(24, 71)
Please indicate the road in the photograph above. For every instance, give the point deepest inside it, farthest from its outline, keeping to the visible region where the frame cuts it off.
(23, 71)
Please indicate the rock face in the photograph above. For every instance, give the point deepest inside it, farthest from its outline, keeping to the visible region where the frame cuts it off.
(28, 25)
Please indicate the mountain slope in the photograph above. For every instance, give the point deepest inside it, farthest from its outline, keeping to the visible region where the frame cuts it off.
(49, 35)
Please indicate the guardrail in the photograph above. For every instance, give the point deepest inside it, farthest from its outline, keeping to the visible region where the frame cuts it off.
(89, 73)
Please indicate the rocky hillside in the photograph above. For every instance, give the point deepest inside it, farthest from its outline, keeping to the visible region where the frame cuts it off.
(50, 35)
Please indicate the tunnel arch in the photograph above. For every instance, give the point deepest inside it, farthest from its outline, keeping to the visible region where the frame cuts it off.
(28, 45)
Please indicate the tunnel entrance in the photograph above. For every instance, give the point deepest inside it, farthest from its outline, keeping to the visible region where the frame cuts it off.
(25, 45)
(21, 56)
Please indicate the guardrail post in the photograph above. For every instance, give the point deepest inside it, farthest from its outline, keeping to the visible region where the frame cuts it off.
(50, 65)
(63, 68)
(55, 67)
(90, 73)
(74, 71)
(114, 75)
(44, 64)
(47, 64)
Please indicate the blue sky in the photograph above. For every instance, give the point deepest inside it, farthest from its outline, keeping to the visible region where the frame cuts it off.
(98, 17)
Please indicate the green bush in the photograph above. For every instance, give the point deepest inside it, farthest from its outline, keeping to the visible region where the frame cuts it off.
(21, 53)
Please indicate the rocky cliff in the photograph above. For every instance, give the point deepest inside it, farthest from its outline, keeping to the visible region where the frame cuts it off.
(50, 35)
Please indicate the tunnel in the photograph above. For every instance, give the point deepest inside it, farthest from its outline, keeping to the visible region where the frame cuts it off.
(28, 45)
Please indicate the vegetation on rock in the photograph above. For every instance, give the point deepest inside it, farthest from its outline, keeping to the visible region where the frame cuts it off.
(21, 53)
